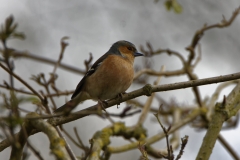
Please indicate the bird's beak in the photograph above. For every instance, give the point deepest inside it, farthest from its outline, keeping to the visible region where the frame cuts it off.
(136, 54)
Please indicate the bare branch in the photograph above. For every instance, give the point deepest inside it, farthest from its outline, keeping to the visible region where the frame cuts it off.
(16, 90)
(36, 153)
(215, 97)
(229, 107)
(148, 103)
(198, 35)
(23, 82)
(196, 112)
(63, 47)
(57, 144)
(19, 54)
(155, 73)
(228, 147)
(183, 145)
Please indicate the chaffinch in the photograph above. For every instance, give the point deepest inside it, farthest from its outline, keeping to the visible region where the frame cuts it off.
(111, 75)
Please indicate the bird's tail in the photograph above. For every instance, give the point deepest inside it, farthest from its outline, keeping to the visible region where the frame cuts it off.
(70, 105)
(67, 107)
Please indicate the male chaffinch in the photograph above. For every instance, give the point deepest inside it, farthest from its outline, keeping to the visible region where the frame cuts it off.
(111, 75)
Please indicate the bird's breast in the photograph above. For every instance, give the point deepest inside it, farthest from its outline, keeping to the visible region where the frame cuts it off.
(113, 76)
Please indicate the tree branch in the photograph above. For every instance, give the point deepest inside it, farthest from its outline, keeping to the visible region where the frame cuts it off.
(196, 112)
(229, 107)
(146, 90)
(22, 81)
(19, 54)
(57, 144)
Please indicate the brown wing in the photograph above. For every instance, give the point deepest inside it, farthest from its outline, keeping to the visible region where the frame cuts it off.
(89, 73)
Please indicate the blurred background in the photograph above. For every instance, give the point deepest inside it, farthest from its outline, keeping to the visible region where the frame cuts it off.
(93, 26)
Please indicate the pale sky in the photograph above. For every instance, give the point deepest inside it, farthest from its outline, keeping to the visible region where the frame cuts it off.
(94, 25)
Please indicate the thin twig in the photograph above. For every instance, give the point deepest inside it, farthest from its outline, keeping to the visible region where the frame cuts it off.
(196, 112)
(46, 86)
(77, 135)
(23, 82)
(20, 54)
(67, 146)
(199, 56)
(125, 113)
(63, 47)
(64, 93)
(36, 153)
(166, 132)
(183, 145)
(155, 73)
(16, 90)
(228, 147)
(148, 103)
(71, 138)
(198, 35)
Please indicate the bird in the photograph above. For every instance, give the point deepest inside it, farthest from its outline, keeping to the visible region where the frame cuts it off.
(110, 76)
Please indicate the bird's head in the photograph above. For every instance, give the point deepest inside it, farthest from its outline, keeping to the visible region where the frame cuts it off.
(125, 49)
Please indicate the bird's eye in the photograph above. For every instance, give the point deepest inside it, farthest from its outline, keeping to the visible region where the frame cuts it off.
(130, 48)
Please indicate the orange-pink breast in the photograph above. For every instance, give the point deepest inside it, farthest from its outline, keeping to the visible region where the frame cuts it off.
(114, 76)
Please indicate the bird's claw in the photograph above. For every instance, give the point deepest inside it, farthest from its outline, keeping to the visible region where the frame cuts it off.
(102, 104)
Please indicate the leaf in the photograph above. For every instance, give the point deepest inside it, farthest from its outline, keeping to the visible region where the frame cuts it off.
(176, 6)
(173, 4)
(8, 22)
(31, 99)
(168, 5)
(19, 35)
(14, 121)
(13, 28)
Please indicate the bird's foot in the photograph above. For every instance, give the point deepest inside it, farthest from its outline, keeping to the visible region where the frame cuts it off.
(119, 97)
(102, 104)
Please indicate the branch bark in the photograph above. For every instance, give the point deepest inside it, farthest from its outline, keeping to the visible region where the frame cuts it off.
(196, 112)
(146, 90)
(223, 111)
(57, 144)
(20, 54)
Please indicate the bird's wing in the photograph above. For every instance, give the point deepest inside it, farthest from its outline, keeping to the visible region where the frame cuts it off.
(89, 73)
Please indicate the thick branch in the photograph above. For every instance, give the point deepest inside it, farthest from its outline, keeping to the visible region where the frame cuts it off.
(21, 139)
(101, 139)
(147, 90)
(157, 137)
(57, 144)
(223, 111)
